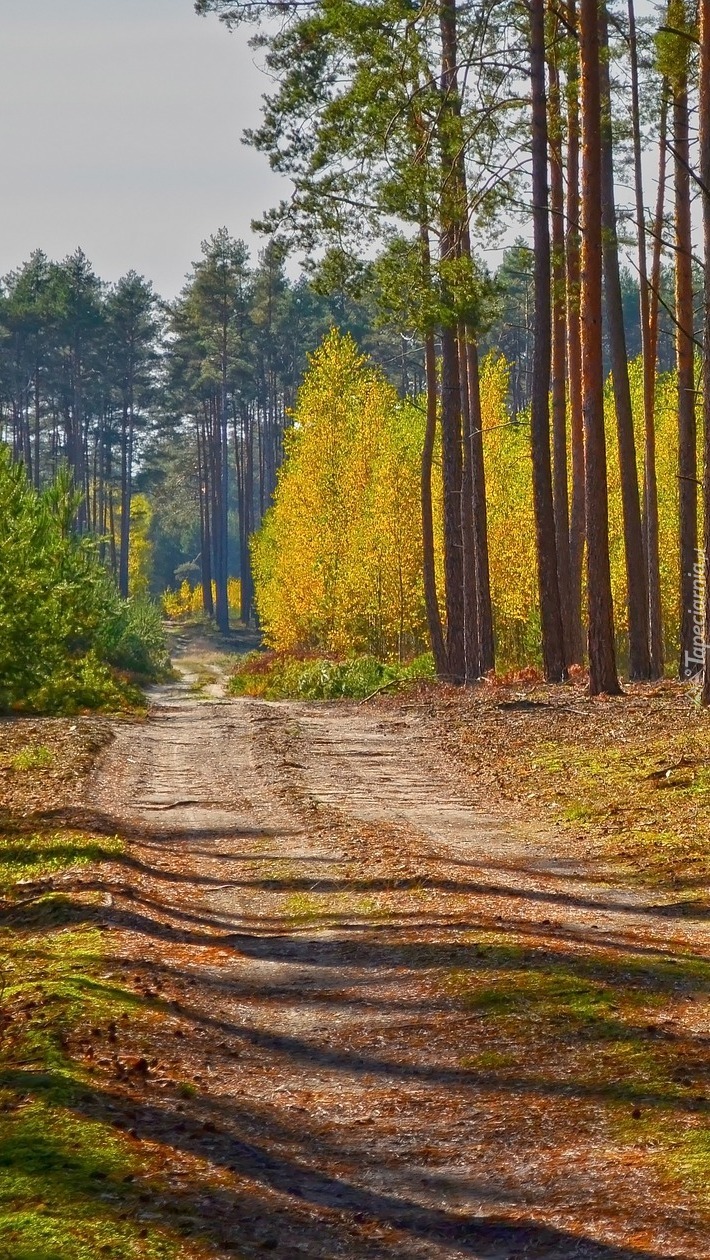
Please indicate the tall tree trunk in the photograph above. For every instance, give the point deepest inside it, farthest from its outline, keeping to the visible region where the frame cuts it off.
(650, 484)
(222, 567)
(452, 466)
(602, 655)
(574, 356)
(125, 506)
(480, 510)
(553, 653)
(560, 490)
(636, 591)
(451, 218)
(480, 659)
(687, 429)
(436, 634)
(247, 600)
(203, 476)
(431, 600)
(704, 115)
(470, 592)
(38, 429)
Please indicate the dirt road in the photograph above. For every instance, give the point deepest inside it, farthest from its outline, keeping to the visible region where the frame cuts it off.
(384, 1024)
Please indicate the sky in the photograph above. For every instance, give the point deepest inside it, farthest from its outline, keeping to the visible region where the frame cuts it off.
(120, 126)
(120, 132)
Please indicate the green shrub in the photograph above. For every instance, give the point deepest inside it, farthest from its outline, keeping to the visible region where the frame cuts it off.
(33, 757)
(64, 631)
(281, 677)
(133, 640)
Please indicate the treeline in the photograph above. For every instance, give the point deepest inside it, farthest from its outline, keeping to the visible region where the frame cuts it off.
(426, 132)
(183, 401)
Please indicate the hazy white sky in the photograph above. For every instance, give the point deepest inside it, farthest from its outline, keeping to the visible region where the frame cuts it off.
(120, 125)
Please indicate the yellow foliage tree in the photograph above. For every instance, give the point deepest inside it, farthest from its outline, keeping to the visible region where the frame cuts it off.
(140, 551)
(338, 560)
(187, 600)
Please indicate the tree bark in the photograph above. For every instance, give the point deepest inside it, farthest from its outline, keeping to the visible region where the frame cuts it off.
(636, 591)
(205, 532)
(691, 656)
(553, 653)
(451, 217)
(648, 350)
(560, 490)
(436, 634)
(574, 357)
(704, 115)
(124, 548)
(602, 655)
(470, 592)
(480, 511)
(222, 525)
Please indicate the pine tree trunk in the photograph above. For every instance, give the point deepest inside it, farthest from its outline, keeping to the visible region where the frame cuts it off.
(704, 115)
(574, 358)
(38, 430)
(247, 599)
(690, 657)
(205, 532)
(222, 525)
(560, 491)
(602, 655)
(650, 486)
(480, 511)
(451, 219)
(451, 453)
(436, 634)
(470, 592)
(553, 653)
(125, 508)
(636, 592)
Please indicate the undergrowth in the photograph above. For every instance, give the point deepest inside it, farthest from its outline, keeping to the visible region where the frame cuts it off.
(649, 804)
(276, 676)
(593, 1026)
(71, 1186)
(67, 640)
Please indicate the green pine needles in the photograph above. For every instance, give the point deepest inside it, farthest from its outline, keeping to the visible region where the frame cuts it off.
(64, 631)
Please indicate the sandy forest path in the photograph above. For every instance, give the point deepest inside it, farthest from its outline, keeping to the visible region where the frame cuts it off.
(345, 1055)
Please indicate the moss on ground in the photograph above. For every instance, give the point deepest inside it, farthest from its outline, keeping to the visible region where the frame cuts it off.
(71, 1186)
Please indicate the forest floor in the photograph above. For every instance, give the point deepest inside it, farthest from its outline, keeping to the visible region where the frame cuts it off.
(419, 977)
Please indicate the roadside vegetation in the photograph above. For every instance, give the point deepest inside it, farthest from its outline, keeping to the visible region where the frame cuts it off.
(73, 1185)
(626, 782)
(281, 676)
(67, 640)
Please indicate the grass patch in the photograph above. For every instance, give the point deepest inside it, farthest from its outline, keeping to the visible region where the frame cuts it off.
(34, 757)
(630, 776)
(71, 1186)
(35, 855)
(278, 676)
(592, 1027)
(647, 805)
(63, 1183)
(302, 908)
(66, 1178)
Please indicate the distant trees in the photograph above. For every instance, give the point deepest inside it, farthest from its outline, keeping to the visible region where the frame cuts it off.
(187, 402)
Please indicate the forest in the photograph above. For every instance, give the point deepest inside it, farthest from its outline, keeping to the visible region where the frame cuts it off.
(354, 650)
(173, 418)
